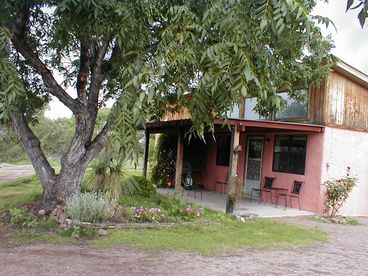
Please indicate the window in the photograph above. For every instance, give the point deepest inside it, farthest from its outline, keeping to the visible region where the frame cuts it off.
(249, 112)
(223, 150)
(234, 112)
(294, 109)
(289, 153)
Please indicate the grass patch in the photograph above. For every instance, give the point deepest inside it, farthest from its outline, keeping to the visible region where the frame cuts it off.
(27, 236)
(16, 192)
(336, 220)
(229, 237)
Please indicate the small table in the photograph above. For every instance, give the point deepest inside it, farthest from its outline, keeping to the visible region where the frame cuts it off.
(277, 190)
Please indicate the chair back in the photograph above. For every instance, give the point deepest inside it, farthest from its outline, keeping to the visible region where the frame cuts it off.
(188, 182)
(297, 187)
(268, 182)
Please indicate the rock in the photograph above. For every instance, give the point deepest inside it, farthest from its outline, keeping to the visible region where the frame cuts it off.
(118, 214)
(59, 212)
(41, 212)
(102, 232)
(333, 220)
(68, 222)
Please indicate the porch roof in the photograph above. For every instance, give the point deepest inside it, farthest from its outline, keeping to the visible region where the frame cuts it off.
(265, 125)
(243, 126)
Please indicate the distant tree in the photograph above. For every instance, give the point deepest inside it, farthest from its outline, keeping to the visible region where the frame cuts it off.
(145, 55)
(359, 4)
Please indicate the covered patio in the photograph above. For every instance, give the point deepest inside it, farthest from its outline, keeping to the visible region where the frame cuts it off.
(245, 150)
(217, 201)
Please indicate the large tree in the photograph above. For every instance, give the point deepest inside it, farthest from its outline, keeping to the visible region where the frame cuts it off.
(362, 6)
(147, 56)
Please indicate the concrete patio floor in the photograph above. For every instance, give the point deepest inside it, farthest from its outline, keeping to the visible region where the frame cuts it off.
(217, 201)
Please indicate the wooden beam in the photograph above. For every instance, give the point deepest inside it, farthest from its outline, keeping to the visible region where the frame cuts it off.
(179, 162)
(146, 149)
(233, 166)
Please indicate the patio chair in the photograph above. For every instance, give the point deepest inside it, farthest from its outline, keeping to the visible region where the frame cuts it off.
(189, 186)
(267, 186)
(294, 194)
(222, 184)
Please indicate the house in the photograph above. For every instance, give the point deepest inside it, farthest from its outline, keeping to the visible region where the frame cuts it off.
(310, 141)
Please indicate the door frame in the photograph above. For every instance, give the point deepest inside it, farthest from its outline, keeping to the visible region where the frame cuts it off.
(248, 137)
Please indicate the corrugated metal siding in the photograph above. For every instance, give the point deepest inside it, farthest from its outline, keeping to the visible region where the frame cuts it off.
(346, 103)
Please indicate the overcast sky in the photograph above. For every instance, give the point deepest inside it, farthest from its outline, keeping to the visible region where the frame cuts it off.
(351, 43)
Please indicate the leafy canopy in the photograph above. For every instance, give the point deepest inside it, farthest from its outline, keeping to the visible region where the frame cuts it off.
(359, 4)
(204, 55)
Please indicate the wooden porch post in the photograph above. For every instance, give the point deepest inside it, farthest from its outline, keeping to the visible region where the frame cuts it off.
(179, 162)
(233, 166)
(146, 149)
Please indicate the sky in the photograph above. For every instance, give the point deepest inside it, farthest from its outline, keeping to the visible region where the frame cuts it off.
(351, 43)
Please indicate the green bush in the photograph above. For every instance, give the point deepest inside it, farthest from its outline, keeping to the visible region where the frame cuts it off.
(145, 187)
(23, 217)
(79, 231)
(91, 207)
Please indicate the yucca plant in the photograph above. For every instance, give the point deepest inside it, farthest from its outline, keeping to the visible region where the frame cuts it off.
(108, 175)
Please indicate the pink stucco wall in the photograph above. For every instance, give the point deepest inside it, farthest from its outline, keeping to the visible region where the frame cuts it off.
(348, 148)
(310, 196)
(218, 173)
(310, 192)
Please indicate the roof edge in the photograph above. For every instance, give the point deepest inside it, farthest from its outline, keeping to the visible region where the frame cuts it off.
(351, 72)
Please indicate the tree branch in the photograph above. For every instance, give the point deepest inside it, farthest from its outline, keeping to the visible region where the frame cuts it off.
(18, 39)
(97, 77)
(83, 72)
(32, 146)
(99, 142)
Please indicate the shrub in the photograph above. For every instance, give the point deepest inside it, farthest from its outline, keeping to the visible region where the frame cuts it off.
(145, 187)
(192, 213)
(108, 175)
(149, 215)
(91, 207)
(23, 217)
(79, 231)
(337, 192)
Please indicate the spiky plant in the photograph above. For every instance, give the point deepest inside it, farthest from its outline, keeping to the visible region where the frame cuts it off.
(108, 175)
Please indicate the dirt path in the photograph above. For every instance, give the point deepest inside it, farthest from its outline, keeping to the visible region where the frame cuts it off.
(9, 172)
(345, 254)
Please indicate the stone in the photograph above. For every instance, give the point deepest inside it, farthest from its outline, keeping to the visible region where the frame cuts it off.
(102, 232)
(41, 212)
(118, 214)
(68, 222)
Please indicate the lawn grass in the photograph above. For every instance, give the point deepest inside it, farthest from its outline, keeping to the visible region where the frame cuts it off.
(229, 237)
(224, 235)
(27, 236)
(16, 192)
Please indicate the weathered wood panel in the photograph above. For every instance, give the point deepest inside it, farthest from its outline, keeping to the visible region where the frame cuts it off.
(346, 103)
(316, 104)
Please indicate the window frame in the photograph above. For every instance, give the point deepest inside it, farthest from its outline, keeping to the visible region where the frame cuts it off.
(290, 138)
(301, 118)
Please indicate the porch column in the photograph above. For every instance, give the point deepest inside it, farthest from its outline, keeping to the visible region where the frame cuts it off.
(233, 166)
(145, 157)
(179, 162)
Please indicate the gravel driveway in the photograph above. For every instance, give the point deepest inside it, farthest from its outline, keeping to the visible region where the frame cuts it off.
(9, 172)
(345, 254)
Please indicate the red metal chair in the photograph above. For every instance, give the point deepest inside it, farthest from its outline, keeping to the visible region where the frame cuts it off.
(267, 186)
(297, 186)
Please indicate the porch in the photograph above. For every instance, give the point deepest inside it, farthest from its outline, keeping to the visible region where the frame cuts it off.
(217, 201)
(248, 151)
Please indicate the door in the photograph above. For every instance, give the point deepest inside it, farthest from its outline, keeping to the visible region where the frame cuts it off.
(253, 163)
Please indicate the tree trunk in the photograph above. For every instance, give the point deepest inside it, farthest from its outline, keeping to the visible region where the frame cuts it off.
(58, 187)
(68, 183)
